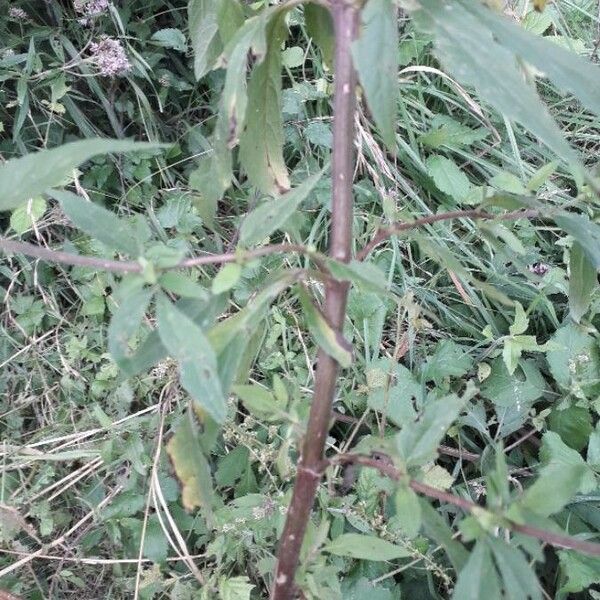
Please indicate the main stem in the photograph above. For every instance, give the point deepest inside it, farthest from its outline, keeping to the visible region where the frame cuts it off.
(310, 465)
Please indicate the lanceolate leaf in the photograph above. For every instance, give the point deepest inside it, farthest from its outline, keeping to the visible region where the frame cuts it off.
(474, 56)
(191, 467)
(375, 55)
(326, 337)
(273, 214)
(585, 232)
(478, 578)
(319, 26)
(567, 70)
(29, 176)
(186, 342)
(98, 223)
(204, 33)
(366, 547)
(583, 279)
(261, 144)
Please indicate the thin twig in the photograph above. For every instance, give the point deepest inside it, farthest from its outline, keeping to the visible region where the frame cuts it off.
(387, 232)
(548, 537)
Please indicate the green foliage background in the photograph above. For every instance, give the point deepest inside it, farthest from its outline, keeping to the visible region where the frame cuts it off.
(485, 330)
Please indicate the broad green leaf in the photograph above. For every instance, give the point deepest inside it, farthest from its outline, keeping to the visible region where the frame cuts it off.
(521, 322)
(574, 360)
(564, 68)
(364, 275)
(261, 142)
(583, 279)
(478, 579)
(191, 467)
(182, 285)
(518, 579)
(319, 26)
(375, 55)
(232, 465)
(475, 57)
(449, 360)
(365, 547)
(170, 38)
(258, 400)
(563, 475)
(580, 572)
(521, 389)
(156, 545)
(585, 232)
(99, 223)
(187, 343)
(408, 511)
(273, 214)
(29, 176)
(24, 217)
(363, 588)
(226, 278)
(235, 588)
(509, 183)
(445, 131)
(331, 341)
(573, 424)
(204, 34)
(230, 17)
(132, 298)
(448, 178)
(418, 442)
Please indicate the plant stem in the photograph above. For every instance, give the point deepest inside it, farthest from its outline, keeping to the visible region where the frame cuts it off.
(310, 467)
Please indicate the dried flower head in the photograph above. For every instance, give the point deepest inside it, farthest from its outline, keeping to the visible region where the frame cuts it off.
(18, 14)
(109, 57)
(90, 8)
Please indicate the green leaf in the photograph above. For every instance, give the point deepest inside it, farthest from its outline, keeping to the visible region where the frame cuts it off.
(521, 322)
(478, 578)
(319, 27)
(230, 16)
(170, 38)
(408, 511)
(258, 400)
(583, 279)
(226, 278)
(24, 217)
(261, 143)
(521, 389)
(204, 30)
(518, 579)
(99, 223)
(580, 572)
(331, 341)
(375, 55)
(365, 547)
(132, 298)
(474, 56)
(418, 442)
(564, 68)
(29, 176)
(182, 285)
(448, 178)
(186, 343)
(585, 232)
(273, 214)
(563, 475)
(191, 467)
(156, 546)
(449, 360)
(231, 466)
(365, 275)
(235, 588)
(509, 183)
(573, 424)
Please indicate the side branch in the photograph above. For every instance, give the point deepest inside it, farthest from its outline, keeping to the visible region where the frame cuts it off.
(387, 232)
(548, 537)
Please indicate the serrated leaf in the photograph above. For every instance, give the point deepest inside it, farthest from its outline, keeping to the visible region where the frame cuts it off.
(258, 400)
(509, 183)
(583, 280)
(521, 389)
(418, 442)
(573, 424)
(375, 55)
(261, 142)
(187, 343)
(273, 214)
(235, 588)
(319, 27)
(132, 298)
(449, 360)
(170, 38)
(475, 57)
(99, 223)
(448, 178)
(24, 217)
(364, 275)
(191, 467)
(365, 547)
(332, 342)
(33, 174)
(408, 511)
(478, 578)
(156, 546)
